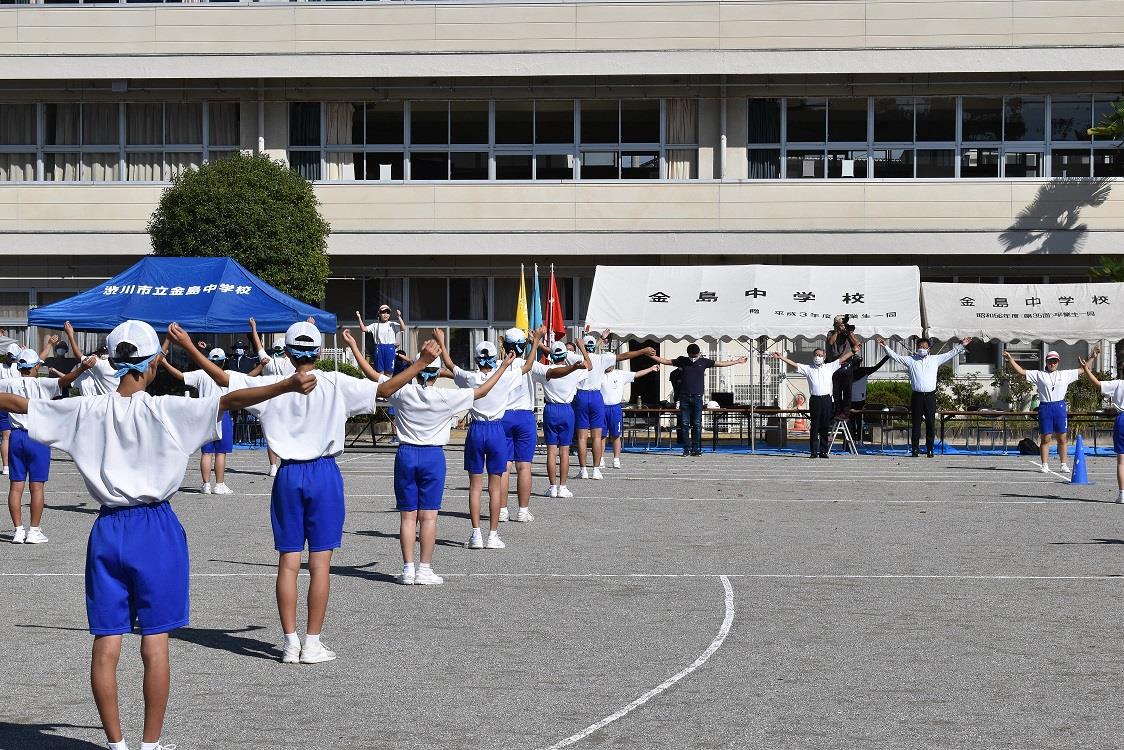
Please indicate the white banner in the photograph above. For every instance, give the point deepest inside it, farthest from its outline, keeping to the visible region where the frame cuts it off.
(732, 302)
(1025, 312)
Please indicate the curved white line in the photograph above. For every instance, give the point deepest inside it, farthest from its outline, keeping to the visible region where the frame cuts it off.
(716, 644)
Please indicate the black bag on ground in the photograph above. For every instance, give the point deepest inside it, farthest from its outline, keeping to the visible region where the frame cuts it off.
(1028, 447)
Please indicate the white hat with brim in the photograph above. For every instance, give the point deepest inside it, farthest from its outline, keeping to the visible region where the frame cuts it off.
(304, 335)
(135, 332)
(28, 358)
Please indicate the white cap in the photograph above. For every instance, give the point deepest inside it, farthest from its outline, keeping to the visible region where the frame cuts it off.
(135, 332)
(434, 365)
(1053, 355)
(28, 358)
(14, 349)
(216, 354)
(303, 334)
(485, 349)
(514, 335)
(589, 340)
(558, 348)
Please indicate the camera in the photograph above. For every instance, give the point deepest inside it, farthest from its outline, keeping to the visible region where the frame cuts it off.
(846, 322)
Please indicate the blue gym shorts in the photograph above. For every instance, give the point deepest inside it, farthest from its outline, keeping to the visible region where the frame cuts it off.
(384, 357)
(614, 420)
(419, 477)
(1118, 434)
(137, 571)
(28, 459)
(522, 434)
(225, 444)
(5, 423)
(558, 424)
(485, 446)
(1052, 418)
(307, 506)
(589, 410)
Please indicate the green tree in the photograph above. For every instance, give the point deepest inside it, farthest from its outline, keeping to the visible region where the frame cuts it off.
(1013, 389)
(252, 209)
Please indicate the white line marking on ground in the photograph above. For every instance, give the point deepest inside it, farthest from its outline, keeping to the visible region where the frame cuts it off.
(1039, 465)
(746, 576)
(716, 644)
(454, 494)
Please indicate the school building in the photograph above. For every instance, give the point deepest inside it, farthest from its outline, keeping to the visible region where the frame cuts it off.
(451, 141)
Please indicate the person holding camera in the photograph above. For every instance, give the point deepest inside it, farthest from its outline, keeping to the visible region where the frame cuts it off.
(841, 340)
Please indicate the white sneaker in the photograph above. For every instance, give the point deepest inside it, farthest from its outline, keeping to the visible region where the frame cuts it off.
(585, 473)
(1120, 497)
(475, 541)
(290, 654)
(524, 515)
(273, 470)
(564, 491)
(1045, 468)
(407, 576)
(1065, 468)
(222, 489)
(616, 463)
(5, 471)
(553, 491)
(206, 488)
(19, 535)
(426, 577)
(494, 542)
(505, 514)
(602, 464)
(316, 654)
(36, 536)
(597, 474)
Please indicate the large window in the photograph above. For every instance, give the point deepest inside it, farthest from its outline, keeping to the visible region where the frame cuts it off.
(112, 141)
(903, 137)
(641, 139)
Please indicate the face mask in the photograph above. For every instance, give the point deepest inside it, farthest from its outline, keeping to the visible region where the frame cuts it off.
(921, 353)
(817, 360)
(239, 352)
(486, 361)
(60, 352)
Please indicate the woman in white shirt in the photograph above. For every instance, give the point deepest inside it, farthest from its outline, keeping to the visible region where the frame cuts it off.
(387, 335)
(1052, 385)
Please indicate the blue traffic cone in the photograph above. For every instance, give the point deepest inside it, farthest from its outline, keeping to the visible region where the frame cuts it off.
(1080, 473)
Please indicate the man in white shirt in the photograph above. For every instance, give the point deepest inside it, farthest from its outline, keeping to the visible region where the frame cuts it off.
(131, 450)
(922, 368)
(1053, 419)
(560, 384)
(307, 501)
(425, 415)
(386, 335)
(1114, 390)
(612, 392)
(820, 375)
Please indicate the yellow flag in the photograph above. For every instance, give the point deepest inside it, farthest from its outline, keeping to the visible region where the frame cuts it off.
(522, 320)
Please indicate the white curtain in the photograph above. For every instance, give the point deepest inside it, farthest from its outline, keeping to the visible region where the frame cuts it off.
(100, 125)
(682, 128)
(224, 124)
(100, 167)
(183, 123)
(17, 124)
(61, 167)
(144, 124)
(17, 167)
(145, 166)
(178, 162)
(340, 115)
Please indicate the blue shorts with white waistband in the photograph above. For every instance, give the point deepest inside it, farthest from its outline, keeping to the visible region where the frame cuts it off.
(522, 435)
(5, 423)
(1118, 434)
(614, 420)
(1052, 418)
(307, 506)
(589, 410)
(28, 459)
(224, 444)
(419, 477)
(137, 571)
(385, 355)
(558, 424)
(485, 446)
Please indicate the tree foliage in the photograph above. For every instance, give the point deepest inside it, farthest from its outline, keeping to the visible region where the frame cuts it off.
(252, 209)
(1112, 124)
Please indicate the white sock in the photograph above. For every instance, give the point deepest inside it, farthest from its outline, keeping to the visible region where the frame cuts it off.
(424, 566)
(33, 528)
(556, 486)
(311, 640)
(150, 745)
(291, 639)
(475, 530)
(408, 569)
(493, 534)
(118, 745)
(1121, 494)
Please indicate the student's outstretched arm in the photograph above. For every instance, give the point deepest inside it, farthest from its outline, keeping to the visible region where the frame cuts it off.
(49, 345)
(72, 340)
(1014, 365)
(299, 382)
(645, 352)
(662, 360)
(359, 318)
(401, 325)
(563, 371)
(536, 337)
(484, 388)
(70, 377)
(429, 352)
(742, 360)
(180, 338)
(646, 371)
(255, 341)
(12, 403)
(364, 365)
(1086, 366)
(446, 358)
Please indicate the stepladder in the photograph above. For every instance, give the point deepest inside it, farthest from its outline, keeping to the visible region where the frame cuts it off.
(840, 427)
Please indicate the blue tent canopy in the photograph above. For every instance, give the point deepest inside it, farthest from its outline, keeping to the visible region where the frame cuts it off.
(204, 295)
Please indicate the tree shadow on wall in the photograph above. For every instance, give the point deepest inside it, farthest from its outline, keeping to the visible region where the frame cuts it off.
(1051, 223)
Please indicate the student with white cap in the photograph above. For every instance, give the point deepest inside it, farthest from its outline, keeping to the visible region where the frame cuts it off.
(99, 379)
(485, 446)
(1053, 418)
(213, 453)
(425, 415)
(131, 450)
(560, 385)
(31, 460)
(612, 391)
(519, 425)
(307, 503)
(8, 369)
(1114, 390)
(274, 362)
(589, 406)
(387, 334)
